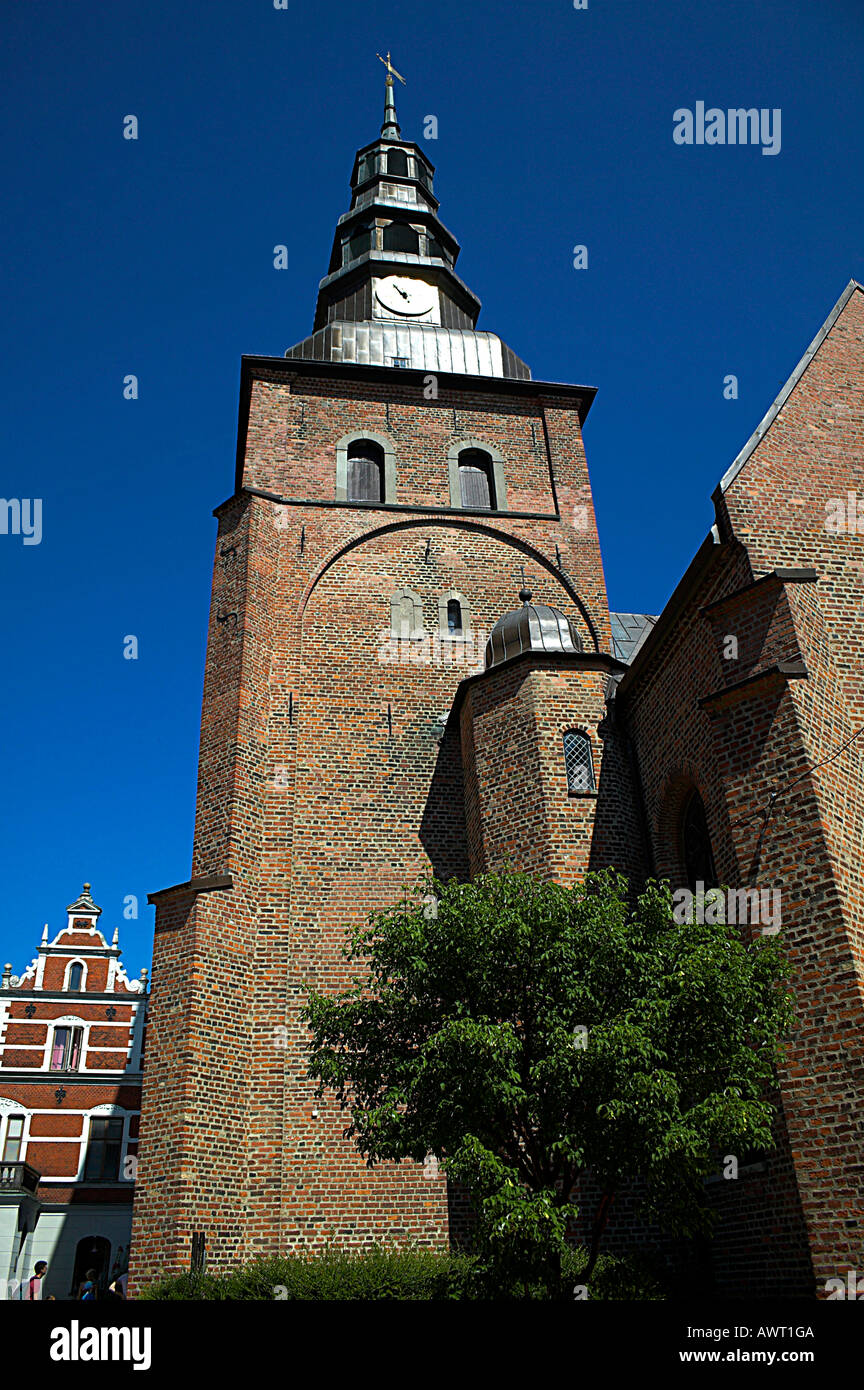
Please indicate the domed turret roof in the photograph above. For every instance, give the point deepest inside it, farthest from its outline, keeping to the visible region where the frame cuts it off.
(534, 627)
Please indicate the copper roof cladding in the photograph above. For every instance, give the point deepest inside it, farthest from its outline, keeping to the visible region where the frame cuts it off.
(427, 347)
(532, 628)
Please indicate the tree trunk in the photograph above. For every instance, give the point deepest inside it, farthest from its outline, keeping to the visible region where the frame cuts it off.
(597, 1232)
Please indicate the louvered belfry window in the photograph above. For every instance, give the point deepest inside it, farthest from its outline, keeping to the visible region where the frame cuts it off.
(400, 236)
(365, 471)
(475, 480)
(397, 162)
(578, 762)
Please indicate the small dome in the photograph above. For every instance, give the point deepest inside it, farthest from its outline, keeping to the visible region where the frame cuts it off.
(532, 628)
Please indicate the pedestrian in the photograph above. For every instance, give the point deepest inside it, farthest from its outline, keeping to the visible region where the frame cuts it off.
(33, 1287)
(88, 1288)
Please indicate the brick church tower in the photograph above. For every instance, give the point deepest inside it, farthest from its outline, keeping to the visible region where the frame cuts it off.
(405, 494)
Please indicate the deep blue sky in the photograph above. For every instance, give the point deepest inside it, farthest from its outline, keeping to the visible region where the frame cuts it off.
(155, 257)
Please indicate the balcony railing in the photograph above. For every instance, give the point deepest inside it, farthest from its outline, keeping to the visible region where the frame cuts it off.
(18, 1177)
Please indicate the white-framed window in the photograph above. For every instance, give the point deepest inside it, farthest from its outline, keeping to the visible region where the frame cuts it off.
(104, 1153)
(12, 1150)
(66, 1048)
(105, 1141)
(76, 976)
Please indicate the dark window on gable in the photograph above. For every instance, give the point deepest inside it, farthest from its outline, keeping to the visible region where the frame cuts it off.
(454, 615)
(103, 1150)
(365, 471)
(400, 236)
(696, 845)
(578, 762)
(75, 973)
(397, 163)
(476, 480)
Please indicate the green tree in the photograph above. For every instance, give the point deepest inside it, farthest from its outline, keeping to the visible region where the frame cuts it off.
(526, 1033)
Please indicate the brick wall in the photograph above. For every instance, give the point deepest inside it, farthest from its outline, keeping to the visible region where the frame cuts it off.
(326, 783)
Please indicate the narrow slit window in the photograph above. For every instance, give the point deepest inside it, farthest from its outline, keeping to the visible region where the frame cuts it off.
(76, 973)
(696, 845)
(454, 616)
(578, 762)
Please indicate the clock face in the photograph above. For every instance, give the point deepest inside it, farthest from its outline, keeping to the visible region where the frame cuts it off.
(408, 298)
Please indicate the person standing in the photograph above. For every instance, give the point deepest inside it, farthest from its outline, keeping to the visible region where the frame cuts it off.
(33, 1287)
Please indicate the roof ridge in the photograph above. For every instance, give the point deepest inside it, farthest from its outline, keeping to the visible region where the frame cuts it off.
(788, 386)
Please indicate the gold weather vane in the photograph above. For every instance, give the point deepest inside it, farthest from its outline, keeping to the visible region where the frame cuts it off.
(391, 71)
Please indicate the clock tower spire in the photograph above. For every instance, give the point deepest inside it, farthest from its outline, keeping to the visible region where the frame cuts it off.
(391, 295)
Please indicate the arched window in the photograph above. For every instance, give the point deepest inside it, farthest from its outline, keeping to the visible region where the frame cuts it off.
(696, 845)
(76, 975)
(397, 162)
(365, 471)
(399, 236)
(359, 241)
(578, 761)
(454, 617)
(476, 480)
(406, 614)
(92, 1255)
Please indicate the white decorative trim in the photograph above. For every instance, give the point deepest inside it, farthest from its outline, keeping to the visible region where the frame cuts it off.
(16, 981)
(134, 986)
(92, 930)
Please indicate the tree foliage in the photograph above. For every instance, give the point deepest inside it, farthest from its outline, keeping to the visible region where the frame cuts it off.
(525, 1032)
